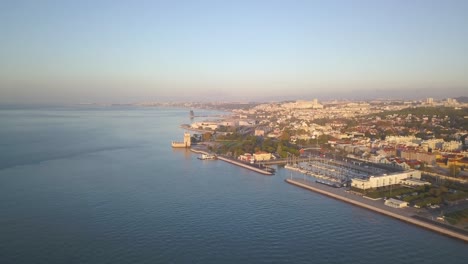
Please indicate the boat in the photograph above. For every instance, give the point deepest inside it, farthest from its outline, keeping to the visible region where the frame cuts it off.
(207, 157)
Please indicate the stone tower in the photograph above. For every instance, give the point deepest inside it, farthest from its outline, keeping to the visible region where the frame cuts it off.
(187, 139)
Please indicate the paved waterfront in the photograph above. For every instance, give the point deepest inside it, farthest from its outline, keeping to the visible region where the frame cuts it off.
(408, 211)
(404, 214)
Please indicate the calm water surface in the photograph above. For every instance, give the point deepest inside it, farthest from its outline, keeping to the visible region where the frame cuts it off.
(102, 185)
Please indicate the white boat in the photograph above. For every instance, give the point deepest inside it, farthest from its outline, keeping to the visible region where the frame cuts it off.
(207, 157)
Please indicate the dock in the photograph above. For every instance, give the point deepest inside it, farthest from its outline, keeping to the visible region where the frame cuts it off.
(243, 165)
(371, 205)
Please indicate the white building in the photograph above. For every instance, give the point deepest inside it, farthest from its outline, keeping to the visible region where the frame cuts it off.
(385, 180)
(451, 101)
(452, 146)
(402, 139)
(204, 125)
(432, 144)
(303, 105)
(396, 203)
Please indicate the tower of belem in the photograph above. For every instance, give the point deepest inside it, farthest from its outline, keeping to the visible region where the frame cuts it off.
(187, 139)
(185, 144)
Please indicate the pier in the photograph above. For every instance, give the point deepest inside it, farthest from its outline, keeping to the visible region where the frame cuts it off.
(408, 216)
(243, 165)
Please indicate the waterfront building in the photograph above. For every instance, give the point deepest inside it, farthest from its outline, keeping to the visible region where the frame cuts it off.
(396, 203)
(247, 157)
(385, 180)
(261, 156)
(185, 144)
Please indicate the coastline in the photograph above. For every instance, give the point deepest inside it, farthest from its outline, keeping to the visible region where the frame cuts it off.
(385, 211)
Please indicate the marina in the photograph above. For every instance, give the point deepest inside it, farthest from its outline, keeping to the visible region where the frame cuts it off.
(329, 176)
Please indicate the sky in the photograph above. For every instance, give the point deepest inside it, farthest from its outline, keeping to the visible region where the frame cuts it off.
(134, 51)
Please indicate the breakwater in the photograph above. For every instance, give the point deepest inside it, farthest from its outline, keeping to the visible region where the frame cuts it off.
(264, 172)
(198, 151)
(404, 218)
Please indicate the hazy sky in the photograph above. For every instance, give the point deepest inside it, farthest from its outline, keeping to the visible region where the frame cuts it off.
(129, 51)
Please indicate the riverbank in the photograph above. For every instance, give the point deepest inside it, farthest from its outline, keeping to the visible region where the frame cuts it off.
(376, 206)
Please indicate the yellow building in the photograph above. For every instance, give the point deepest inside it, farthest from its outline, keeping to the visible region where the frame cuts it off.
(184, 144)
(261, 156)
(396, 203)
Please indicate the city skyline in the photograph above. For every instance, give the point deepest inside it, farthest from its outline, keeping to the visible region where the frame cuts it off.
(116, 51)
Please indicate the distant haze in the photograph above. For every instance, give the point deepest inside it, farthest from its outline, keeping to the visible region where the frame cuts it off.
(134, 51)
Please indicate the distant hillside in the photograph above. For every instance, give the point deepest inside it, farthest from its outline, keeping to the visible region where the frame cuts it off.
(428, 111)
(462, 99)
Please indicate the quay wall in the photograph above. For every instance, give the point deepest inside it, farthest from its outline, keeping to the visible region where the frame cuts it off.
(199, 151)
(381, 211)
(245, 166)
(235, 162)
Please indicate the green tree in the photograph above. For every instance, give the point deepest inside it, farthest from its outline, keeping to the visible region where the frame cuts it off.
(285, 136)
(207, 136)
(279, 149)
(453, 170)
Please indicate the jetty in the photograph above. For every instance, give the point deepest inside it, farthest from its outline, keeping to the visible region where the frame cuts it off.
(405, 216)
(243, 165)
(237, 163)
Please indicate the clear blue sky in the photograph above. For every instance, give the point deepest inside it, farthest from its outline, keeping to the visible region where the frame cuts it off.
(127, 51)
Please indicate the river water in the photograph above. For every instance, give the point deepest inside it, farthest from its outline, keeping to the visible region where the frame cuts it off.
(103, 185)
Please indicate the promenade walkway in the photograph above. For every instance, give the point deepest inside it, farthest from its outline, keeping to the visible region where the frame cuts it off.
(409, 215)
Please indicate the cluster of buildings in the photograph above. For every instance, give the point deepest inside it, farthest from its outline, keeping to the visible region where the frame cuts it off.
(447, 102)
(256, 157)
(408, 178)
(358, 129)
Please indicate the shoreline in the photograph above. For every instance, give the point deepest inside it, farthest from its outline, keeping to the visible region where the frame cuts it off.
(400, 216)
(409, 215)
